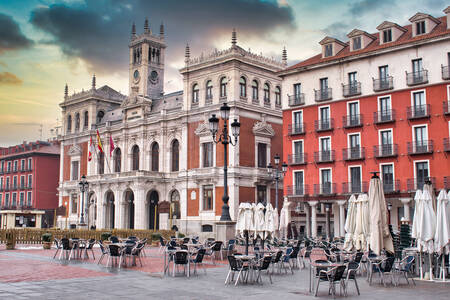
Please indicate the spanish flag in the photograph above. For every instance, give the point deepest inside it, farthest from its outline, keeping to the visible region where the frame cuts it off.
(91, 149)
(99, 142)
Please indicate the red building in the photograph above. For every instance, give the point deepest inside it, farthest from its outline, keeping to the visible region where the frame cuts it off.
(29, 179)
(378, 102)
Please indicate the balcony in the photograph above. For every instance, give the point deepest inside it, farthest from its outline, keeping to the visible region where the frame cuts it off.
(413, 184)
(194, 104)
(386, 150)
(297, 190)
(418, 111)
(383, 84)
(325, 189)
(297, 159)
(6, 188)
(352, 89)
(418, 77)
(354, 187)
(324, 156)
(447, 182)
(297, 99)
(446, 106)
(355, 153)
(266, 102)
(420, 147)
(322, 95)
(1, 189)
(22, 186)
(446, 144)
(445, 72)
(209, 100)
(384, 116)
(350, 121)
(324, 125)
(391, 186)
(296, 128)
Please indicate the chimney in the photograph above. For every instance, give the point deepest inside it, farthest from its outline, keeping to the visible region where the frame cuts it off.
(447, 12)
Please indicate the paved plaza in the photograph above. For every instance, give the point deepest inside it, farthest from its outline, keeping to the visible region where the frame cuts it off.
(32, 273)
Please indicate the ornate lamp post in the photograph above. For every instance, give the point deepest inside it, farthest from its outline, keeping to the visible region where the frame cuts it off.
(225, 139)
(84, 187)
(277, 174)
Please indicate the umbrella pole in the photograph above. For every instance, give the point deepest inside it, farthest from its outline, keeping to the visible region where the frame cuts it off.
(246, 242)
(420, 265)
(431, 267)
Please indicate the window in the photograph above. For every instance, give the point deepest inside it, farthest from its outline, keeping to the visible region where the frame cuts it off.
(261, 194)
(417, 65)
(75, 170)
(8, 169)
(419, 105)
(7, 199)
(15, 182)
(355, 180)
(385, 109)
(207, 197)
(353, 113)
(328, 50)
(243, 87)
(324, 113)
(1, 200)
(155, 157)
(22, 182)
(420, 139)
(298, 152)
(74, 204)
(7, 182)
(135, 158)
(22, 199)
(354, 143)
(101, 163)
(117, 160)
(77, 122)
(297, 118)
(298, 182)
(15, 165)
(69, 123)
(387, 35)
(30, 181)
(266, 92)
(277, 95)
(324, 84)
(297, 90)
(223, 87)
(422, 174)
(30, 161)
(209, 87)
(357, 43)
(100, 115)
(386, 142)
(86, 119)
(195, 93)
(1, 167)
(383, 72)
(175, 204)
(14, 199)
(262, 155)
(352, 78)
(207, 154)
(387, 176)
(255, 90)
(325, 176)
(325, 148)
(22, 165)
(175, 156)
(29, 201)
(420, 27)
(1, 183)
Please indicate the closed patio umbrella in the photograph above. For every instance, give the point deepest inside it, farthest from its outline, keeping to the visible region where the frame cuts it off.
(240, 220)
(350, 223)
(269, 221)
(361, 233)
(259, 220)
(428, 186)
(285, 218)
(380, 237)
(442, 232)
(247, 225)
(415, 225)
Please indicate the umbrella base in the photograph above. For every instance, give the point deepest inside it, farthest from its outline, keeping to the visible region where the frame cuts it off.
(225, 230)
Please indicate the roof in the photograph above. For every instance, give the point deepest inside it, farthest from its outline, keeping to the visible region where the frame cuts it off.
(404, 39)
(39, 148)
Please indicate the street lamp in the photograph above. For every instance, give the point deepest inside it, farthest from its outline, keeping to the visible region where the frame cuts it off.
(84, 187)
(225, 139)
(277, 174)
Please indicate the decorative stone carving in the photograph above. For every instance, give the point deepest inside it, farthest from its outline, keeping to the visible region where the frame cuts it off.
(75, 150)
(203, 129)
(263, 129)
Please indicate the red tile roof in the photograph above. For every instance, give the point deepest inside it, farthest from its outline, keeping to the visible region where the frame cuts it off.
(405, 38)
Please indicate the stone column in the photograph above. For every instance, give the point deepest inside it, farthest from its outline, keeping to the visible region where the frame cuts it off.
(139, 209)
(341, 204)
(313, 205)
(405, 202)
(118, 208)
(308, 223)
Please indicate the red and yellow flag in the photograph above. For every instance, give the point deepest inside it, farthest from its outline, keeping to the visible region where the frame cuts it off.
(99, 142)
(91, 149)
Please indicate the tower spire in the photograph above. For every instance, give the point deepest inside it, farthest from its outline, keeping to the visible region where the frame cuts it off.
(161, 30)
(146, 27)
(66, 91)
(133, 30)
(93, 82)
(233, 38)
(284, 57)
(187, 54)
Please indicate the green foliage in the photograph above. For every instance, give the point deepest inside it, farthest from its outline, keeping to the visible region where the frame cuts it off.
(156, 236)
(47, 237)
(181, 235)
(105, 236)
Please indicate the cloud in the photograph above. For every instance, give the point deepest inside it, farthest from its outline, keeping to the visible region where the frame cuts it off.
(11, 37)
(362, 7)
(339, 30)
(102, 43)
(9, 78)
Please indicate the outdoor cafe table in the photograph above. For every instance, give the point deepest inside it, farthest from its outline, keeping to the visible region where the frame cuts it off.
(250, 260)
(76, 243)
(314, 265)
(169, 253)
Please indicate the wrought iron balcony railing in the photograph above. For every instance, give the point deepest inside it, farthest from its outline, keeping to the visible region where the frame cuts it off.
(296, 99)
(413, 184)
(297, 190)
(386, 150)
(325, 188)
(352, 121)
(323, 94)
(355, 153)
(324, 125)
(446, 106)
(446, 144)
(446, 182)
(418, 111)
(420, 147)
(418, 77)
(324, 156)
(297, 158)
(445, 72)
(208, 99)
(383, 84)
(384, 116)
(354, 187)
(352, 89)
(296, 128)
(391, 186)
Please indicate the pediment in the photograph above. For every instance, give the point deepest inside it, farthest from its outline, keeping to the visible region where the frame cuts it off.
(75, 150)
(328, 40)
(202, 129)
(263, 129)
(421, 16)
(387, 24)
(357, 32)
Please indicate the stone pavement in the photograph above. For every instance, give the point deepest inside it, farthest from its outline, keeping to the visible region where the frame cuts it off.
(33, 274)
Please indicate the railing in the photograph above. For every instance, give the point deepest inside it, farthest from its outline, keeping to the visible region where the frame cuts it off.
(445, 72)
(22, 186)
(194, 104)
(297, 99)
(352, 121)
(324, 125)
(418, 111)
(384, 116)
(1, 189)
(446, 182)
(322, 95)
(446, 144)
(391, 186)
(354, 187)
(297, 190)
(383, 84)
(324, 156)
(255, 100)
(418, 77)
(297, 159)
(413, 184)
(446, 106)
(351, 89)
(325, 189)
(296, 128)
(420, 147)
(209, 100)
(266, 102)
(354, 153)
(386, 150)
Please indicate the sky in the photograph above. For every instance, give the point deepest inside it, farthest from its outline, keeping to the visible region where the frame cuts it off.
(45, 44)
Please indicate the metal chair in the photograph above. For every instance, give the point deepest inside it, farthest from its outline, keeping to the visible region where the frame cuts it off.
(333, 276)
(352, 268)
(263, 265)
(383, 271)
(180, 258)
(104, 251)
(236, 266)
(114, 253)
(405, 268)
(58, 246)
(198, 260)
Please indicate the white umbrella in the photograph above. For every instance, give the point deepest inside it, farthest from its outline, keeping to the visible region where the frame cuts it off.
(426, 225)
(415, 225)
(276, 222)
(285, 217)
(380, 237)
(259, 219)
(442, 232)
(361, 233)
(240, 220)
(269, 220)
(350, 223)
(428, 186)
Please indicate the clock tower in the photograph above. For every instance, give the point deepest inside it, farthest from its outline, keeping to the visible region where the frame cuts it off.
(147, 62)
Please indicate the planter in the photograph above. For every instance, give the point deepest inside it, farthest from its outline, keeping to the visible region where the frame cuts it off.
(47, 245)
(10, 246)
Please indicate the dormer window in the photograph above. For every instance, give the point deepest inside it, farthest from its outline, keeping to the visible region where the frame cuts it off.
(423, 23)
(357, 43)
(387, 35)
(331, 46)
(328, 50)
(420, 27)
(390, 32)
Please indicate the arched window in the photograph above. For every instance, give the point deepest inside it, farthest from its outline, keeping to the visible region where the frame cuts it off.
(223, 87)
(117, 160)
(155, 157)
(195, 92)
(277, 95)
(175, 204)
(175, 156)
(243, 87)
(266, 92)
(86, 119)
(77, 122)
(101, 163)
(135, 158)
(69, 123)
(209, 87)
(255, 90)
(100, 115)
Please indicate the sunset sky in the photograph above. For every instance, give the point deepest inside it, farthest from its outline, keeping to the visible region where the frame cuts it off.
(45, 44)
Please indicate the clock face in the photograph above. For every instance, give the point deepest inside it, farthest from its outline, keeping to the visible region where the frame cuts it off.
(153, 76)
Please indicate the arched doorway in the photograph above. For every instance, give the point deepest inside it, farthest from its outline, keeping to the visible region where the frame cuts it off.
(109, 210)
(92, 218)
(129, 209)
(153, 220)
